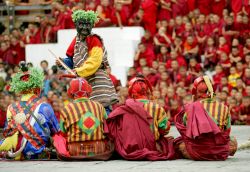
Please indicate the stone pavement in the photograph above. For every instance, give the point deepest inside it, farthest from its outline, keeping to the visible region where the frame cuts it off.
(239, 163)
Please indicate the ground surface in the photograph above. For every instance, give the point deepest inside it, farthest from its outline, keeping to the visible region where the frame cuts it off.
(239, 163)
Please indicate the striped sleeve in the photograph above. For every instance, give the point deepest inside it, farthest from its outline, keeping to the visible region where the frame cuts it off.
(93, 62)
(63, 120)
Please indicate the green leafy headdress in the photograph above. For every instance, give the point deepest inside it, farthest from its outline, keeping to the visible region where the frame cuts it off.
(27, 80)
(89, 15)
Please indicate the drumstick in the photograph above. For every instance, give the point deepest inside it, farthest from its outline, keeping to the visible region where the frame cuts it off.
(62, 63)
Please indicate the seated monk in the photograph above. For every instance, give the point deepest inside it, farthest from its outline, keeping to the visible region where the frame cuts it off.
(82, 121)
(139, 127)
(204, 126)
(31, 123)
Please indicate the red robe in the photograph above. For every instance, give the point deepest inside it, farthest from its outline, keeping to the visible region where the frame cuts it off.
(148, 55)
(246, 4)
(217, 78)
(234, 112)
(69, 24)
(162, 40)
(162, 57)
(246, 80)
(114, 80)
(164, 14)
(179, 8)
(202, 137)
(236, 6)
(2, 118)
(133, 142)
(191, 5)
(60, 22)
(217, 7)
(153, 79)
(181, 61)
(123, 15)
(187, 79)
(204, 6)
(245, 110)
(8, 57)
(149, 16)
(20, 52)
(36, 38)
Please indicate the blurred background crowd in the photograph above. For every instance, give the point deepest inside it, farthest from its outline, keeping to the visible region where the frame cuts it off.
(183, 39)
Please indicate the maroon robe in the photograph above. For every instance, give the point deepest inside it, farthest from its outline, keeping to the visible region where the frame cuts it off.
(217, 7)
(236, 6)
(20, 56)
(8, 57)
(133, 142)
(149, 16)
(191, 5)
(2, 118)
(179, 8)
(202, 137)
(204, 6)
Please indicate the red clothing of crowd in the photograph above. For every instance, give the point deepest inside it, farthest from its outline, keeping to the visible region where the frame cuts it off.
(151, 15)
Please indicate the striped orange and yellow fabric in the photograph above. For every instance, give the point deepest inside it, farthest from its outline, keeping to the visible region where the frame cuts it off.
(91, 61)
(83, 120)
(218, 111)
(161, 125)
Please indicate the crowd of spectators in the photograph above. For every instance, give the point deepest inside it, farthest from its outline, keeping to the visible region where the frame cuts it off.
(183, 39)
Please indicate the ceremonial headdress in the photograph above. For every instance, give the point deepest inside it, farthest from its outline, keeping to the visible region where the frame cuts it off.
(78, 88)
(89, 15)
(202, 87)
(27, 80)
(139, 88)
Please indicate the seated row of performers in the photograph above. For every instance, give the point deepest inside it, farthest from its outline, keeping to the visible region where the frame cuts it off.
(136, 130)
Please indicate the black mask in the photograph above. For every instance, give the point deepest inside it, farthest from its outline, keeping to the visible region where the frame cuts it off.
(83, 28)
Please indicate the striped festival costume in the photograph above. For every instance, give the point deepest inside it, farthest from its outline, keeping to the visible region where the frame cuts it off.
(30, 124)
(89, 59)
(83, 123)
(205, 131)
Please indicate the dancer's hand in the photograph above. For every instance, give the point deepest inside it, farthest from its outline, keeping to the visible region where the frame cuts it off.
(58, 63)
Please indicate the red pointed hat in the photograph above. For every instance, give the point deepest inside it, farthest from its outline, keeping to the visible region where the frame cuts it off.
(78, 88)
(139, 87)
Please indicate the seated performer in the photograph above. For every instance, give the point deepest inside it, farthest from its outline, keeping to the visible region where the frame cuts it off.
(30, 122)
(82, 121)
(139, 127)
(204, 126)
(87, 56)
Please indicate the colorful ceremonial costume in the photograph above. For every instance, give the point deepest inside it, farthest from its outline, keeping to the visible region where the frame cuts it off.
(30, 122)
(82, 121)
(88, 57)
(204, 126)
(138, 128)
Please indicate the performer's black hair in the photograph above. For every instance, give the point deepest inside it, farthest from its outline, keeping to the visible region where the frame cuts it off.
(23, 66)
